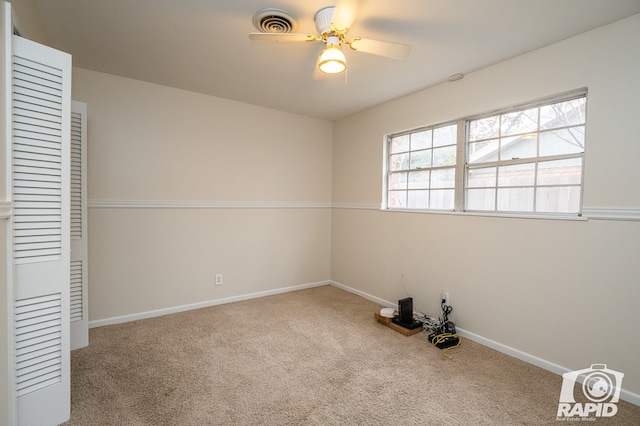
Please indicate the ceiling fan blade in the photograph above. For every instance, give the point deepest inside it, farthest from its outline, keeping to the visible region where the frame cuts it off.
(282, 37)
(380, 48)
(345, 13)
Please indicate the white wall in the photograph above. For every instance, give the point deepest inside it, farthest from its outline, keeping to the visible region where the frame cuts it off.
(183, 186)
(563, 291)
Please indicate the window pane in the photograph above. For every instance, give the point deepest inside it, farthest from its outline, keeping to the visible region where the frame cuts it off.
(516, 175)
(485, 176)
(445, 135)
(560, 172)
(397, 199)
(421, 140)
(399, 144)
(481, 199)
(515, 199)
(443, 178)
(564, 141)
(484, 128)
(483, 151)
(419, 180)
(563, 114)
(560, 199)
(519, 122)
(442, 199)
(418, 200)
(420, 159)
(444, 156)
(399, 162)
(398, 180)
(518, 147)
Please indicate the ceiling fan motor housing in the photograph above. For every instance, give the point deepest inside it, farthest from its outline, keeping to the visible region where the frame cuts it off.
(323, 20)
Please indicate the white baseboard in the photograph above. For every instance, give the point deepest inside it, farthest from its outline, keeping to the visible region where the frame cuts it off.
(625, 395)
(364, 295)
(205, 304)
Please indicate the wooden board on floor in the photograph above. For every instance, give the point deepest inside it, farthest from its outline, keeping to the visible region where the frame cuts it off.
(387, 321)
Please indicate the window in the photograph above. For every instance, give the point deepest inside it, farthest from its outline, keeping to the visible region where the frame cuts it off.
(523, 160)
(421, 168)
(528, 160)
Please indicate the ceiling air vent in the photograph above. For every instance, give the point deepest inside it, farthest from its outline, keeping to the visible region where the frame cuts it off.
(274, 21)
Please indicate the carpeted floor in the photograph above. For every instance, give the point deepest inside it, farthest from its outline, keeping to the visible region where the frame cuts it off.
(311, 357)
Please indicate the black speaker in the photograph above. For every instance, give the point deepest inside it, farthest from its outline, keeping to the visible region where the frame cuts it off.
(405, 314)
(405, 310)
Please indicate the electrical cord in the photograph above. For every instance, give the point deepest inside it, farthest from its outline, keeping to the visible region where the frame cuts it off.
(452, 340)
(406, 293)
(429, 322)
(441, 331)
(446, 310)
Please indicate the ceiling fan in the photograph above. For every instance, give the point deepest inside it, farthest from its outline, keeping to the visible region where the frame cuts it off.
(332, 24)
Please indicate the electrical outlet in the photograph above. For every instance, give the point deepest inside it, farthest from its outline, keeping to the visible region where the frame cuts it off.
(444, 295)
(218, 279)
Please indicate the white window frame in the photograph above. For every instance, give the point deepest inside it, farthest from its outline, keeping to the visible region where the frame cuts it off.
(430, 188)
(462, 167)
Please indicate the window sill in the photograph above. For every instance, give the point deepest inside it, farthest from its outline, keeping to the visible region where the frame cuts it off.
(571, 217)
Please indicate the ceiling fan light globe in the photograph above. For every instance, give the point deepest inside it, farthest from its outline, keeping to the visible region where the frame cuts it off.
(332, 60)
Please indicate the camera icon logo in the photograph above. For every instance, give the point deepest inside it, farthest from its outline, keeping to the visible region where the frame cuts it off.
(600, 385)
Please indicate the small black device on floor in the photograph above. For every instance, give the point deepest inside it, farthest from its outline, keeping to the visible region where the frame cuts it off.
(443, 341)
(405, 314)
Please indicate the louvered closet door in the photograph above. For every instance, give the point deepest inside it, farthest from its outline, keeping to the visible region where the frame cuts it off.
(79, 275)
(41, 89)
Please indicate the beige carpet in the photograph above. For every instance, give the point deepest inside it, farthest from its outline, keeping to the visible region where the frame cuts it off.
(311, 357)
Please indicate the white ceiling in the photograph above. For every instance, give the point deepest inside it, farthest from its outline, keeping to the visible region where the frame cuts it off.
(203, 45)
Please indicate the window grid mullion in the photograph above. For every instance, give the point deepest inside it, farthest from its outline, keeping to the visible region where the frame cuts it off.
(461, 161)
(429, 191)
(526, 160)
